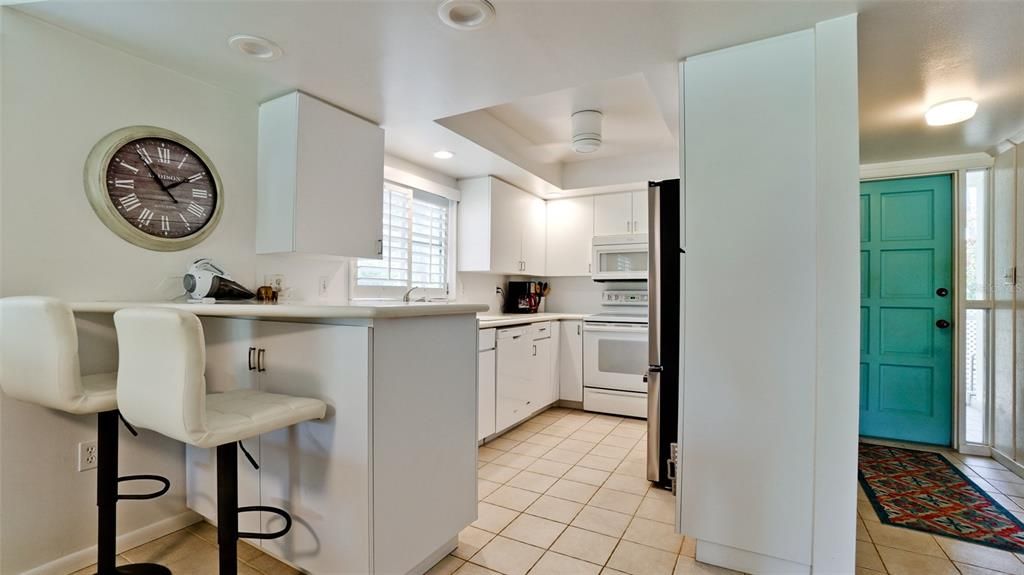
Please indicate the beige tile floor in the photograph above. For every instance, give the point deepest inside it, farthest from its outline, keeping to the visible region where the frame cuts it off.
(565, 494)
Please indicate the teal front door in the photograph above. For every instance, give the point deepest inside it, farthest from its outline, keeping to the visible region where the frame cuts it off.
(906, 314)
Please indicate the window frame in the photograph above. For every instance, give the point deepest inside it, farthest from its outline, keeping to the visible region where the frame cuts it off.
(392, 293)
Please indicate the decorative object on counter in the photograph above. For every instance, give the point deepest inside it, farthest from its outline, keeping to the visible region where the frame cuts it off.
(154, 188)
(266, 294)
(205, 280)
(525, 296)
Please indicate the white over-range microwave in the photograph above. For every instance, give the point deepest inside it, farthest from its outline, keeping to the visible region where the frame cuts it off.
(620, 258)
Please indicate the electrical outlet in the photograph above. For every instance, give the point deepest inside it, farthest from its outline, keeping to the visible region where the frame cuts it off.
(275, 281)
(87, 455)
(322, 286)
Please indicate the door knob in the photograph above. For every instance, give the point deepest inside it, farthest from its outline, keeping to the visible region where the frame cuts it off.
(942, 324)
(942, 292)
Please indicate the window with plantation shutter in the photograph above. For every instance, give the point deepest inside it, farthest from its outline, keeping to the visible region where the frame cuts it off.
(415, 250)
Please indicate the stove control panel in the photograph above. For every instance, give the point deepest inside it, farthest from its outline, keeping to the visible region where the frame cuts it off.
(624, 297)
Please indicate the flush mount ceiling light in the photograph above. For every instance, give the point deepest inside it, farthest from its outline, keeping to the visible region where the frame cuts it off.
(951, 112)
(586, 131)
(466, 14)
(444, 155)
(255, 47)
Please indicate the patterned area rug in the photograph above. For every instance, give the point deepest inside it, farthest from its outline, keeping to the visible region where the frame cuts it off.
(921, 490)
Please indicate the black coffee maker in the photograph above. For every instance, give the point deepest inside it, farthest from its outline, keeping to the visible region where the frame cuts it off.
(524, 296)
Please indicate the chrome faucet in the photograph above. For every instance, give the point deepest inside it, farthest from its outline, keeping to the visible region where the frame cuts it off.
(405, 297)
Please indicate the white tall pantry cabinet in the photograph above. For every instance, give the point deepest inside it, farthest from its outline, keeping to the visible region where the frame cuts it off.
(784, 499)
(320, 180)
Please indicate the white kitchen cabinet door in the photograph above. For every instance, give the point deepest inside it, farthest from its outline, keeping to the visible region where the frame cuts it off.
(231, 347)
(303, 466)
(508, 207)
(534, 236)
(570, 224)
(485, 393)
(639, 202)
(515, 374)
(570, 361)
(320, 180)
(540, 384)
(613, 214)
(555, 359)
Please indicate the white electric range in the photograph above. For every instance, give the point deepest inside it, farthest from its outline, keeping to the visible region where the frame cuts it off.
(615, 355)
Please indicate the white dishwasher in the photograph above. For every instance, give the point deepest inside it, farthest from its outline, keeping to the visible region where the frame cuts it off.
(515, 376)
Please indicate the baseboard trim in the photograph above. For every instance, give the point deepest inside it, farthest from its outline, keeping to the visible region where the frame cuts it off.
(747, 561)
(85, 557)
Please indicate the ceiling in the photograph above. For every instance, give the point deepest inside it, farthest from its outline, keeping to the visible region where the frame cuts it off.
(395, 63)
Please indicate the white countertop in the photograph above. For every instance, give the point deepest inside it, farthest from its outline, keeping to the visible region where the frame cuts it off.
(504, 319)
(297, 310)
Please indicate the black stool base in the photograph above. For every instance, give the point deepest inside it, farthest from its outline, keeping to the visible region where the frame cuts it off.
(140, 569)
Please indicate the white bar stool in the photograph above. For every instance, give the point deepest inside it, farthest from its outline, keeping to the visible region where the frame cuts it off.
(39, 365)
(161, 386)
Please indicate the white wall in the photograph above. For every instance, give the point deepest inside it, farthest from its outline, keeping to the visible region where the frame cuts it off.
(769, 398)
(61, 94)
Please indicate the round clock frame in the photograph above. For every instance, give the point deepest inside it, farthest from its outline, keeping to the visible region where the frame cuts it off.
(96, 189)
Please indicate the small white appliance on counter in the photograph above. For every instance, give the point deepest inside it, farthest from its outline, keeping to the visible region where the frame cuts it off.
(205, 280)
(620, 258)
(615, 354)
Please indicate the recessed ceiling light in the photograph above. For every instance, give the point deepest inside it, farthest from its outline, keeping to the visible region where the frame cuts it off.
(255, 47)
(466, 14)
(951, 112)
(444, 155)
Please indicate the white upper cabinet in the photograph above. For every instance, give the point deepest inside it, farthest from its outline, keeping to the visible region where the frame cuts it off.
(639, 201)
(570, 231)
(502, 229)
(621, 213)
(320, 180)
(613, 214)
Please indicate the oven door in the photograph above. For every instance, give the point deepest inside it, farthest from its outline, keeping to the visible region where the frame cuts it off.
(615, 356)
(620, 262)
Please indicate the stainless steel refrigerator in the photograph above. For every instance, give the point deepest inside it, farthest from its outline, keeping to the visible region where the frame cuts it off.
(664, 276)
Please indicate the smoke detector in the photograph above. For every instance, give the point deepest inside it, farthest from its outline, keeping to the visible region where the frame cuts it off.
(466, 14)
(586, 131)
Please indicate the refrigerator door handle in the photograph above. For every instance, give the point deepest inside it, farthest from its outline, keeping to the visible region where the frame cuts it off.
(653, 424)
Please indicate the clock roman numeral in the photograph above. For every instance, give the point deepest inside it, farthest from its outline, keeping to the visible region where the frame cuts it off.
(200, 194)
(130, 184)
(128, 166)
(143, 154)
(196, 210)
(145, 216)
(183, 158)
(165, 225)
(187, 226)
(195, 177)
(163, 154)
(130, 202)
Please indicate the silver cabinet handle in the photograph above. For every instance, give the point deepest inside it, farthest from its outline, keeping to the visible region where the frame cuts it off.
(629, 226)
(579, 330)
(535, 351)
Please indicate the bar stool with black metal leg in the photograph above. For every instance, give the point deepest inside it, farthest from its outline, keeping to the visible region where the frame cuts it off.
(39, 365)
(161, 386)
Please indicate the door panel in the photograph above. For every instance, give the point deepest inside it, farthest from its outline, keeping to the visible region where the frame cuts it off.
(613, 214)
(906, 357)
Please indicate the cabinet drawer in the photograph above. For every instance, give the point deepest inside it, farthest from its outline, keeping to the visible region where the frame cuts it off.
(540, 330)
(617, 402)
(486, 339)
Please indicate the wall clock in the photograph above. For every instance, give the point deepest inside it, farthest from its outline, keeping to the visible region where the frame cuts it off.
(154, 188)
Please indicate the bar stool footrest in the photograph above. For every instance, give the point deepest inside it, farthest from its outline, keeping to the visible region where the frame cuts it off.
(140, 496)
(140, 569)
(279, 512)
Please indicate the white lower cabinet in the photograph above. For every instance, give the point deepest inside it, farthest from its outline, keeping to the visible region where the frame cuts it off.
(344, 479)
(570, 361)
(485, 384)
(525, 375)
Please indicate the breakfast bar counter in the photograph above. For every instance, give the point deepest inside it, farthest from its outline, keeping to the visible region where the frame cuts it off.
(387, 480)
